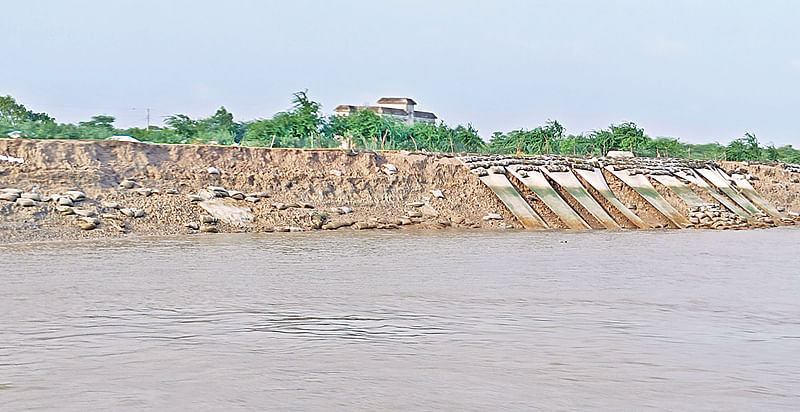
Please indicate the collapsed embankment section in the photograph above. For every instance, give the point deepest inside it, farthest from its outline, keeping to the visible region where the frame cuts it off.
(279, 189)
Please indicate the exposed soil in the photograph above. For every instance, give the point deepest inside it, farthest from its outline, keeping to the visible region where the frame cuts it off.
(776, 184)
(286, 175)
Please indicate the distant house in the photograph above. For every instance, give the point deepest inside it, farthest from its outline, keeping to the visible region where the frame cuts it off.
(401, 108)
(15, 134)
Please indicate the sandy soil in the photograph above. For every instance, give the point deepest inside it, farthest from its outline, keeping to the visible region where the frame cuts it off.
(285, 175)
(776, 184)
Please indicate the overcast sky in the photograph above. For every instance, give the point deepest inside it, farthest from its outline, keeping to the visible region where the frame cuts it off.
(701, 71)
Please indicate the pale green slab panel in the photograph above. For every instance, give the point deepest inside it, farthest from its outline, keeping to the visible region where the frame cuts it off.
(598, 182)
(505, 191)
(574, 188)
(539, 185)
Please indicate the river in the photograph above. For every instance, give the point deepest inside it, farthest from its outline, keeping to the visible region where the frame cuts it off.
(450, 320)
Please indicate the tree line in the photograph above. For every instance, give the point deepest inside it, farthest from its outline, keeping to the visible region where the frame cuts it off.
(304, 125)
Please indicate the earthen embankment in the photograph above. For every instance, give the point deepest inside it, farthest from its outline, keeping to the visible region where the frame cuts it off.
(297, 189)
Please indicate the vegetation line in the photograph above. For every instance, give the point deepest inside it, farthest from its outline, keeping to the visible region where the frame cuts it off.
(304, 126)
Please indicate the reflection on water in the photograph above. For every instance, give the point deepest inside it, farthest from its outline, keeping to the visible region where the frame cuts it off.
(633, 320)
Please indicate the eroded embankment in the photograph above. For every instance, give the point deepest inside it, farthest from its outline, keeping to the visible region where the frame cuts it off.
(53, 190)
(290, 190)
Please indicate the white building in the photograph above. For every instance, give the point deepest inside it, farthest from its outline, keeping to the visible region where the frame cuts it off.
(401, 108)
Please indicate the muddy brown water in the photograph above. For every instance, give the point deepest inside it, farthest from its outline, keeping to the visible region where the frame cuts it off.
(385, 321)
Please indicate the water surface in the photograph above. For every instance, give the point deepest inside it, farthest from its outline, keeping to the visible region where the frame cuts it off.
(447, 320)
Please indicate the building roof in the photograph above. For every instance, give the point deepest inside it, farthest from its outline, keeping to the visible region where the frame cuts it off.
(345, 108)
(424, 115)
(388, 110)
(396, 100)
(376, 109)
(385, 110)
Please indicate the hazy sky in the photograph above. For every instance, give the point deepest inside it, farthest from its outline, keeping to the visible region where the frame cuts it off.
(698, 70)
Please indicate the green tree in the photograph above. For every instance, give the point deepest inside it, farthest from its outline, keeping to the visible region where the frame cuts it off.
(101, 121)
(745, 148)
(624, 136)
(14, 113)
(301, 126)
(184, 126)
(543, 139)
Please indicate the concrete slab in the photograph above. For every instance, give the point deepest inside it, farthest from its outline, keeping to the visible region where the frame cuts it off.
(231, 215)
(643, 187)
(721, 183)
(574, 188)
(598, 183)
(695, 179)
(535, 180)
(750, 192)
(505, 191)
(679, 188)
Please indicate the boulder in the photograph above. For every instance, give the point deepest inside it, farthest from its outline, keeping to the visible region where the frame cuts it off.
(127, 184)
(257, 194)
(132, 212)
(65, 210)
(120, 227)
(9, 197)
(389, 168)
(213, 171)
(87, 225)
(84, 212)
(75, 195)
(25, 202)
(232, 215)
(336, 225)
(32, 196)
(493, 216)
(92, 220)
(498, 170)
(365, 225)
(342, 210)
(428, 210)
